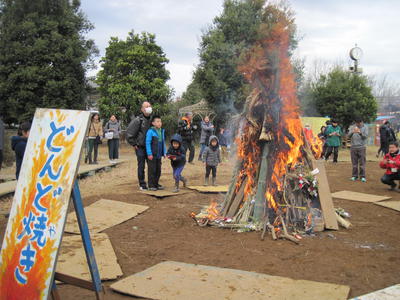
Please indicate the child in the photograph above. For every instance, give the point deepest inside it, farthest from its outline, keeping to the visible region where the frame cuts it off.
(391, 162)
(18, 144)
(177, 154)
(333, 139)
(223, 142)
(211, 158)
(155, 149)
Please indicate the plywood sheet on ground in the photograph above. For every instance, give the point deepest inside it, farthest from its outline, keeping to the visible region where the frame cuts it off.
(164, 193)
(89, 168)
(180, 281)
(210, 188)
(361, 197)
(104, 214)
(393, 204)
(390, 293)
(7, 187)
(72, 258)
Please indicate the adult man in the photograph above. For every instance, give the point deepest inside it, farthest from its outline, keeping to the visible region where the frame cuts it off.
(391, 162)
(386, 135)
(185, 129)
(358, 134)
(333, 140)
(136, 136)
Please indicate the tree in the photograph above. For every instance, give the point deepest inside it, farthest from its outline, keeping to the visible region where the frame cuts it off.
(43, 56)
(344, 96)
(133, 71)
(230, 36)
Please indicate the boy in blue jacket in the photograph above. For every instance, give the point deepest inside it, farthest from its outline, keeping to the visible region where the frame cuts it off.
(156, 150)
(177, 154)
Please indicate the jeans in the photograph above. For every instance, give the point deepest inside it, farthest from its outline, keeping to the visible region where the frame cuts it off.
(187, 145)
(141, 165)
(358, 160)
(335, 151)
(113, 146)
(390, 178)
(154, 172)
(177, 173)
(202, 148)
(209, 169)
(92, 147)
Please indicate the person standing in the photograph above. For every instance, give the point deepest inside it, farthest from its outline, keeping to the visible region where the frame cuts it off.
(322, 137)
(387, 136)
(2, 134)
(333, 140)
(391, 162)
(211, 158)
(136, 137)
(176, 153)
(94, 138)
(207, 129)
(358, 134)
(185, 130)
(113, 131)
(155, 150)
(18, 144)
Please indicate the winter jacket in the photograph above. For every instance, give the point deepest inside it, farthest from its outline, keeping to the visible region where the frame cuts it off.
(113, 127)
(386, 134)
(333, 140)
(179, 154)
(223, 140)
(137, 129)
(95, 129)
(358, 140)
(185, 129)
(18, 144)
(2, 133)
(154, 146)
(206, 131)
(391, 168)
(211, 155)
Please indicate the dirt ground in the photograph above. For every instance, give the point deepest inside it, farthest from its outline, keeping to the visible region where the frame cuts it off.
(365, 257)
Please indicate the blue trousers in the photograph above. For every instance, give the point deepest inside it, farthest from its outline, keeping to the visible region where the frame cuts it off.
(177, 173)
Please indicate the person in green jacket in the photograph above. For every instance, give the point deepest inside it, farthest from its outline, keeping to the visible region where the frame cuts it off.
(333, 139)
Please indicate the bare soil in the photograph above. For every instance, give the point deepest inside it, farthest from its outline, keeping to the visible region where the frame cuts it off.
(365, 257)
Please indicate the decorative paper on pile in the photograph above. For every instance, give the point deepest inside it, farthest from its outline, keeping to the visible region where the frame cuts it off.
(104, 214)
(40, 204)
(72, 258)
(210, 188)
(361, 197)
(390, 293)
(179, 281)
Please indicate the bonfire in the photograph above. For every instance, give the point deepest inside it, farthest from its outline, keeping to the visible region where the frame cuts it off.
(273, 187)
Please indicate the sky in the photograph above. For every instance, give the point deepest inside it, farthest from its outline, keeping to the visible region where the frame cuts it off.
(328, 30)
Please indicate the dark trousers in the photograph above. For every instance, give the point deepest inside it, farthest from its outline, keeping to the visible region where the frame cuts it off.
(177, 172)
(92, 147)
(154, 172)
(209, 169)
(187, 145)
(390, 178)
(113, 146)
(324, 149)
(358, 160)
(384, 148)
(335, 151)
(1, 158)
(141, 164)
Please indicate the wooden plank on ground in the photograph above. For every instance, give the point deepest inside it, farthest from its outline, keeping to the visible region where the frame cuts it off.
(360, 197)
(104, 214)
(210, 188)
(180, 281)
(389, 293)
(237, 200)
(393, 204)
(325, 197)
(165, 193)
(72, 258)
(7, 187)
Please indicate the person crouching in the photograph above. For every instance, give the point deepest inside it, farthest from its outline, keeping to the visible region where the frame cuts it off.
(211, 158)
(156, 150)
(391, 162)
(177, 154)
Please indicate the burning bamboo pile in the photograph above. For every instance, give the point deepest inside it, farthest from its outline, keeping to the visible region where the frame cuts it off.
(274, 186)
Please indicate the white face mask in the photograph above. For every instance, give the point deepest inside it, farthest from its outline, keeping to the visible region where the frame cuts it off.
(148, 110)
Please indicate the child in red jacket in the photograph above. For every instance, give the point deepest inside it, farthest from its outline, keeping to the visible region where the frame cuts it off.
(391, 162)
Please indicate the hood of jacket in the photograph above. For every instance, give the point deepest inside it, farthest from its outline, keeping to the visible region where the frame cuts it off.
(213, 137)
(177, 138)
(15, 140)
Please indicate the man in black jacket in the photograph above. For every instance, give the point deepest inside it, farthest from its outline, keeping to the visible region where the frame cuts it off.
(185, 129)
(136, 136)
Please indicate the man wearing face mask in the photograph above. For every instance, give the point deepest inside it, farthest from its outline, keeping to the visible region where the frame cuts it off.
(136, 136)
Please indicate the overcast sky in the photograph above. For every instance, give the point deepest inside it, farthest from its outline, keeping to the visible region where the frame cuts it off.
(329, 29)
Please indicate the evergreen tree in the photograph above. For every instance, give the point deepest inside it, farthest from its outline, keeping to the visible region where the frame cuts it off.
(43, 56)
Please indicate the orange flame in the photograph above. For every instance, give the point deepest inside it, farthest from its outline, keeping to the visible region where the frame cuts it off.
(213, 212)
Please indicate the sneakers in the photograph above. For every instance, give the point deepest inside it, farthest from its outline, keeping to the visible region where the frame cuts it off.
(363, 179)
(143, 188)
(353, 178)
(153, 189)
